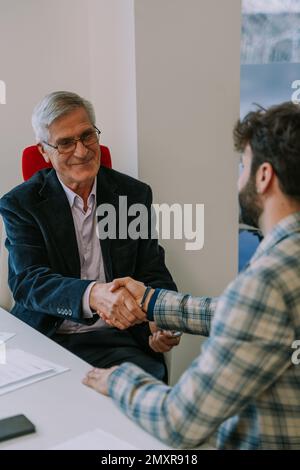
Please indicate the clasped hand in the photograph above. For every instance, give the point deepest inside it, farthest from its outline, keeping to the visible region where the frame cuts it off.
(117, 302)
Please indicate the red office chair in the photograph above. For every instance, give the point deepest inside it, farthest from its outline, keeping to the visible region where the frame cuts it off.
(33, 161)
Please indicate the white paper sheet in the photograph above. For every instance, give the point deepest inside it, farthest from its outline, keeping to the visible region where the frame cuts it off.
(22, 368)
(95, 440)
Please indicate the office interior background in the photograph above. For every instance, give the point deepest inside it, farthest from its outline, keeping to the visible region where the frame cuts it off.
(165, 78)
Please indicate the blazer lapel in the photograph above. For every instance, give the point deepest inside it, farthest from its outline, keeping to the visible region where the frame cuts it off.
(106, 195)
(57, 215)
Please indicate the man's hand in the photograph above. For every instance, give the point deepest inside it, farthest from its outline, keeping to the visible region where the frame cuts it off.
(162, 340)
(116, 306)
(136, 288)
(97, 379)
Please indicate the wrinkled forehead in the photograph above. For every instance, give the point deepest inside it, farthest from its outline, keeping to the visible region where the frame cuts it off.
(71, 124)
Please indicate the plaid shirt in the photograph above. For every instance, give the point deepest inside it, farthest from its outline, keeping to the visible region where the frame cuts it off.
(244, 385)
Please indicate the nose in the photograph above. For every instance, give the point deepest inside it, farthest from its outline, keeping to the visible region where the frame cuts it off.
(80, 150)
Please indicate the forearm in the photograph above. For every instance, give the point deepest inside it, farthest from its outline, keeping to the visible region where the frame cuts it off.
(159, 409)
(175, 311)
(45, 292)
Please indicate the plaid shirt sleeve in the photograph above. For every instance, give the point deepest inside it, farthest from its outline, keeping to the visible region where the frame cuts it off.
(176, 311)
(249, 348)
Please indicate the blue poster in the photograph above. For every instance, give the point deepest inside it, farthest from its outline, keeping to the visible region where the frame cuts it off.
(270, 70)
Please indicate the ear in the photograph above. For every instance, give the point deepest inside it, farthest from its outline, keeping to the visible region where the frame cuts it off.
(43, 152)
(264, 177)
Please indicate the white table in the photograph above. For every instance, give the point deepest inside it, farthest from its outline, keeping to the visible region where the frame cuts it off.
(61, 407)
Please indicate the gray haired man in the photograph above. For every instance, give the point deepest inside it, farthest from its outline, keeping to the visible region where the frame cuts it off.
(60, 273)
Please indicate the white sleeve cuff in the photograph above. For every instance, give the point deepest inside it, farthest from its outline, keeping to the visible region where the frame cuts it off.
(87, 312)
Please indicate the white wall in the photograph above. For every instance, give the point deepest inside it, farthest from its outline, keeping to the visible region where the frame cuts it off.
(112, 77)
(188, 68)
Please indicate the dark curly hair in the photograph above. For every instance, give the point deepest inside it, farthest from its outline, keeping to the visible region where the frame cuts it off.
(274, 137)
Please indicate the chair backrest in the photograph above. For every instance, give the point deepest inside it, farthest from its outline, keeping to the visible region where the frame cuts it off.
(33, 161)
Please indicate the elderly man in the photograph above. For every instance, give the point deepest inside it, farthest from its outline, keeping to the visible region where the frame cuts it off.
(245, 384)
(59, 272)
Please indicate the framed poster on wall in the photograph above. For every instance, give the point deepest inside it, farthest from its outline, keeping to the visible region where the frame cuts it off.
(270, 71)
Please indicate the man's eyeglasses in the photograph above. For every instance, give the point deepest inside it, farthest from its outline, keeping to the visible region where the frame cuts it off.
(87, 139)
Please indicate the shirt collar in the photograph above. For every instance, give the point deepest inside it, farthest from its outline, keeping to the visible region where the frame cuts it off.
(283, 229)
(71, 196)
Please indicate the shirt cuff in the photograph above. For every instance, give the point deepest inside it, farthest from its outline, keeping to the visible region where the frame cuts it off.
(150, 309)
(87, 312)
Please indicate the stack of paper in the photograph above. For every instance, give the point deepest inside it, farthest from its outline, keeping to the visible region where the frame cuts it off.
(5, 336)
(22, 368)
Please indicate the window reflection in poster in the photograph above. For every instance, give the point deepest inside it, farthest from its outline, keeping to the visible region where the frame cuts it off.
(270, 69)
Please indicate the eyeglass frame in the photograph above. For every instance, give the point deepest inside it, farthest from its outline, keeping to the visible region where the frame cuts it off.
(74, 141)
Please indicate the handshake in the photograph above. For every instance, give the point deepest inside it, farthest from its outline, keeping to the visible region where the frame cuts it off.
(118, 303)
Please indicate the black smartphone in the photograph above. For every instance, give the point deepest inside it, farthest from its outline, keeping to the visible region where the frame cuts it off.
(15, 426)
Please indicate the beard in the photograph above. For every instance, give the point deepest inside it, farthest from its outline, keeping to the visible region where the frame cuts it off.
(250, 208)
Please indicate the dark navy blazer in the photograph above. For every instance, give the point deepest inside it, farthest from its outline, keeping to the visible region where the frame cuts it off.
(44, 265)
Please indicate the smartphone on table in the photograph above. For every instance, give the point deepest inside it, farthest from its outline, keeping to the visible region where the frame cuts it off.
(15, 426)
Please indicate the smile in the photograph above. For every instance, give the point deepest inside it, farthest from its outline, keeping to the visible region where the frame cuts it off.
(81, 163)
